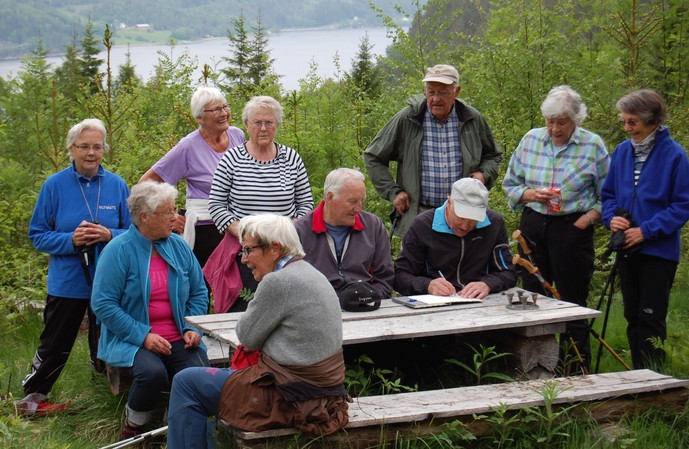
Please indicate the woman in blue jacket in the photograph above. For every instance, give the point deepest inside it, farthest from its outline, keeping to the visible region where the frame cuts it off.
(78, 211)
(147, 282)
(646, 200)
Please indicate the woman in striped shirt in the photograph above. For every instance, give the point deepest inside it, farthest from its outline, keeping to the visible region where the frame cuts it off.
(259, 176)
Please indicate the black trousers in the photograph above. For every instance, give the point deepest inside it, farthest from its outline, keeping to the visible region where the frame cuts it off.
(62, 318)
(646, 282)
(564, 254)
(207, 239)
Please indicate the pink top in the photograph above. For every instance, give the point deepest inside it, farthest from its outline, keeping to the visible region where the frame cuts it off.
(159, 310)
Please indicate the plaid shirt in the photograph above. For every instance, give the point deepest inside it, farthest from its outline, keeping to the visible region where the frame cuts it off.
(578, 169)
(441, 158)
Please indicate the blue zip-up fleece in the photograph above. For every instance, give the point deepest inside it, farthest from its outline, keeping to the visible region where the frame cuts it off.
(660, 202)
(60, 208)
(122, 292)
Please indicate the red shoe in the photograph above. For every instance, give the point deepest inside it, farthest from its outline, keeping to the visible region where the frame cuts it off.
(37, 404)
(47, 408)
(130, 432)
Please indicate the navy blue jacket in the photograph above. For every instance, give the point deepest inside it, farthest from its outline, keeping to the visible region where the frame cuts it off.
(659, 203)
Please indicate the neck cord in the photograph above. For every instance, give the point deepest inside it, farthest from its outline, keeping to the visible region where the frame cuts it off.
(93, 219)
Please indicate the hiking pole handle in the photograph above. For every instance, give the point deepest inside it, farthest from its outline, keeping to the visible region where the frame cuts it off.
(533, 270)
(528, 266)
(517, 235)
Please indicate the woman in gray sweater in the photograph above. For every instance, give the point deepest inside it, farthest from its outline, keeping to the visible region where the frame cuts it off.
(296, 323)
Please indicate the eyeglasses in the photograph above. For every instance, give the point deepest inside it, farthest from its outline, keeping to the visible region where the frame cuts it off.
(247, 250)
(259, 125)
(631, 122)
(219, 110)
(167, 213)
(85, 148)
(441, 94)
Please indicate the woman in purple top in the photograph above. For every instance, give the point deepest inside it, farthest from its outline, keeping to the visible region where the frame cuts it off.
(195, 158)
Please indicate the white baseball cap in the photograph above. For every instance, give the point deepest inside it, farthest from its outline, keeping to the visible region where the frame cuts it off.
(469, 199)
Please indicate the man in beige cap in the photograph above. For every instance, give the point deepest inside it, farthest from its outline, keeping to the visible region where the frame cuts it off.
(459, 248)
(436, 140)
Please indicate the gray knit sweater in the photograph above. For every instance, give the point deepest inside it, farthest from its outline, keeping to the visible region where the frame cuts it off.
(294, 317)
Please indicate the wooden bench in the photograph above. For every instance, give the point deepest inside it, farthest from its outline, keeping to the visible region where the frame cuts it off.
(383, 418)
(120, 379)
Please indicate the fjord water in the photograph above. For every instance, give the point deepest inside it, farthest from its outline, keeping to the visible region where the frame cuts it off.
(293, 51)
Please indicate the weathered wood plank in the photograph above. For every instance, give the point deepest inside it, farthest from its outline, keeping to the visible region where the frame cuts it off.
(609, 395)
(218, 352)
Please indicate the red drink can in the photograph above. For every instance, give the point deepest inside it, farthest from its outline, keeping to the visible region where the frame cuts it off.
(555, 202)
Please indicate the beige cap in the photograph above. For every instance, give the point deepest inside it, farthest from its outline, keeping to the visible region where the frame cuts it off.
(469, 199)
(442, 73)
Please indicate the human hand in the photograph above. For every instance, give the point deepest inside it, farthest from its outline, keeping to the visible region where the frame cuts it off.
(401, 202)
(191, 339)
(157, 344)
(233, 228)
(537, 195)
(88, 233)
(478, 175)
(619, 224)
(633, 237)
(441, 287)
(477, 289)
(178, 227)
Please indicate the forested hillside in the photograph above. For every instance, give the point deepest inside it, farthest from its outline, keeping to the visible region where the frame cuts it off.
(22, 23)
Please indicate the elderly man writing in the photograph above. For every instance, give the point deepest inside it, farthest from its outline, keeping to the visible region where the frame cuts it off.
(436, 140)
(344, 242)
(460, 247)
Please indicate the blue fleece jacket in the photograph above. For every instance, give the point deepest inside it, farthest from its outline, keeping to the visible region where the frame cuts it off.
(60, 208)
(122, 292)
(659, 203)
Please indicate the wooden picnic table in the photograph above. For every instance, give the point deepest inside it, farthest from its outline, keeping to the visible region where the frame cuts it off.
(529, 334)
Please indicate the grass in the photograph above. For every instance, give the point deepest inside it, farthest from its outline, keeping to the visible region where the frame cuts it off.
(94, 417)
(136, 37)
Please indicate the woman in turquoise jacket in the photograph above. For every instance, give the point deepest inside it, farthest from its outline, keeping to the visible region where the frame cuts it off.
(148, 280)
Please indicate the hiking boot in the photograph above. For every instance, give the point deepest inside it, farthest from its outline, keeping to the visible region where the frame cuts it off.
(37, 404)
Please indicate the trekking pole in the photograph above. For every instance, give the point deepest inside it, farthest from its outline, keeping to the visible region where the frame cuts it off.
(136, 439)
(534, 271)
(609, 289)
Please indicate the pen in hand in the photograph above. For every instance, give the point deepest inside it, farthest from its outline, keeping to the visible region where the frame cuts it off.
(443, 276)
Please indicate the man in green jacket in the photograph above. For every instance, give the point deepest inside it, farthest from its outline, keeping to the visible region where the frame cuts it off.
(436, 140)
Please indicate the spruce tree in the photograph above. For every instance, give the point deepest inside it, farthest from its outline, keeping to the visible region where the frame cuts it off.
(90, 63)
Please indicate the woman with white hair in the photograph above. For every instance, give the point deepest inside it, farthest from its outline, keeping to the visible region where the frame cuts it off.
(295, 321)
(195, 159)
(554, 178)
(78, 211)
(261, 176)
(147, 283)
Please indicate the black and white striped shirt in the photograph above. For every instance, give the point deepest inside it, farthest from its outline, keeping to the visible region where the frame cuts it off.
(244, 186)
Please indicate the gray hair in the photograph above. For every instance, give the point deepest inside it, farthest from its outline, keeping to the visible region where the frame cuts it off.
(269, 229)
(203, 96)
(147, 196)
(262, 102)
(647, 104)
(338, 177)
(564, 101)
(76, 130)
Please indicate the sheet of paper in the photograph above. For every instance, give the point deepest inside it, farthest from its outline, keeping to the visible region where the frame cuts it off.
(433, 299)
